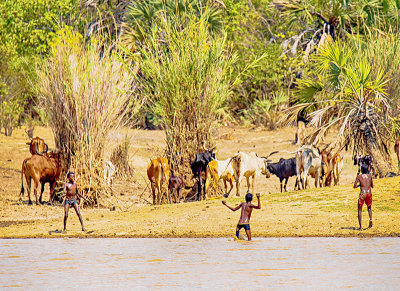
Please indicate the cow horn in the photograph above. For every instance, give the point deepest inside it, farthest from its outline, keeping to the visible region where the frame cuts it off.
(37, 150)
(47, 148)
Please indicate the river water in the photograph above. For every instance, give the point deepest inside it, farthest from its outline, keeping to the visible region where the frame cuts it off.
(209, 263)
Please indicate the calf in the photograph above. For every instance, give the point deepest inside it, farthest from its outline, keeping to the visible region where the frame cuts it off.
(43, 169)
(158, 172)
(199, 167)
(175, 185)
(283, 169)
(364, 160)
(337, 165)
(220, 170)
(248, 165)
(308, 162)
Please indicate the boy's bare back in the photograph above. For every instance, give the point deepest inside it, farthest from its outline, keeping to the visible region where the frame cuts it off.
(365, 181)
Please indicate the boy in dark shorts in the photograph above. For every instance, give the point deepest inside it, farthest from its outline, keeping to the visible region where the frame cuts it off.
(364, 181)
(71, 191)
(247, 209)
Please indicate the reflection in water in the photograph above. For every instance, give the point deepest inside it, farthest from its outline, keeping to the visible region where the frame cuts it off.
(210, 263)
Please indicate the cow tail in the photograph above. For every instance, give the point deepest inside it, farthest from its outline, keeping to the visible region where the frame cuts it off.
(22, 179)
(228, 164)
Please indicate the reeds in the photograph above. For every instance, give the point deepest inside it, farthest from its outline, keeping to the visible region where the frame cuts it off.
(85, 90)
(187, 78)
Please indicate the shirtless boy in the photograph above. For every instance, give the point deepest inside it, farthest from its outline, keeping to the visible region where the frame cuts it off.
(247, 209)
(364, 181)
(71, 191)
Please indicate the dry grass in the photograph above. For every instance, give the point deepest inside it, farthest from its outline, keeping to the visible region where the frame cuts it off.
(86, 95)
(314, 212)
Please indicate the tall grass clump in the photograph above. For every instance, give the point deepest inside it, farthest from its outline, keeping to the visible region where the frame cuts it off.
(84, 89)
(186, 75)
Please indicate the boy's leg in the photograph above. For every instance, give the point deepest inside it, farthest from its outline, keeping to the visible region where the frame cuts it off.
(370, 216)
(237, 231)
(359, 214)
(248, 233)
(66, 210)
(76, 207)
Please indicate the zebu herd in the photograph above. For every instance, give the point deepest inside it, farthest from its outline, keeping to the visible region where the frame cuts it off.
(324, 167)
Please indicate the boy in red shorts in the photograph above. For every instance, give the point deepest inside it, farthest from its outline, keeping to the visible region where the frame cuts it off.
(364, 181)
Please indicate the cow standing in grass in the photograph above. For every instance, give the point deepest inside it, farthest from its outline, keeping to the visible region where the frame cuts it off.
(220, 170)
(42, 169)
(337, 165)
(158, 173)
(175, 185)
(283, 169)
(199, 168)
(308, 162)
(249, 166)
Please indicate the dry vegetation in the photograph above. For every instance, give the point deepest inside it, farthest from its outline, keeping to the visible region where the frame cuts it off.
(314, 212)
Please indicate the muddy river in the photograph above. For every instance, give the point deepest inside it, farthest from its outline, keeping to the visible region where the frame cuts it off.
(209, 263)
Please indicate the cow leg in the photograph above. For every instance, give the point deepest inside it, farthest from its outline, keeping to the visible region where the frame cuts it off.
(36, 185)
(230, 183)
(237, 186)
(52, 186)
(286, 180)
(199, 185)
(179, 193)
(153, 191)
(207, 184)
(28, 183)
(158, 186)
(304, 182)
(169, 197)
(280, 180)
(41, 193)
(248, 183)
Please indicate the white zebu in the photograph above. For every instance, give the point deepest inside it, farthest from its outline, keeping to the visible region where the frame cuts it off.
(248, 165)
(308, 162)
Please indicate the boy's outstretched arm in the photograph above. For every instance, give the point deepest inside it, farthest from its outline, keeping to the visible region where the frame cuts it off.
(233, 209)
(356, 182)
(258, 200)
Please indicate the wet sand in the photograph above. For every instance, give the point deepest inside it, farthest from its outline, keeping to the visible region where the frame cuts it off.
(313, 212)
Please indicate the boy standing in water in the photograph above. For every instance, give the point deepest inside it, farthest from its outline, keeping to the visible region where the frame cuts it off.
(247, 209)
(365, 183)
(71, 191)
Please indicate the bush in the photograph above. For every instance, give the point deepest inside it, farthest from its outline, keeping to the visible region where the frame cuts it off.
(85, 90)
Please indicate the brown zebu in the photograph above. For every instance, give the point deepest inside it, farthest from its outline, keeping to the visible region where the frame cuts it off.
(158, 173)
(43, 169)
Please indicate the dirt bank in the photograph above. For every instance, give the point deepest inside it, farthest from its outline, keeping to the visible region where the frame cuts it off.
(314, 212)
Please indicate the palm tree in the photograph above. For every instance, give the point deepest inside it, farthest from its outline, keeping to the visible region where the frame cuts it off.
(346, 94)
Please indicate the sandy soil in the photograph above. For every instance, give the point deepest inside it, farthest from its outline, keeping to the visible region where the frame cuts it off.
(313, 212)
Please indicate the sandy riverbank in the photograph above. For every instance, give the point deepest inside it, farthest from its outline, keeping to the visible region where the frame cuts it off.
(314, 212)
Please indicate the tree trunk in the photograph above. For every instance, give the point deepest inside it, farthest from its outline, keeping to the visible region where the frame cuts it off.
(381, 164)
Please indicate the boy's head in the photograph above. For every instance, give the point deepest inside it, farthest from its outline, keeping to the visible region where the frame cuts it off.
(364, 168)
(70, 175)
(249, 197)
